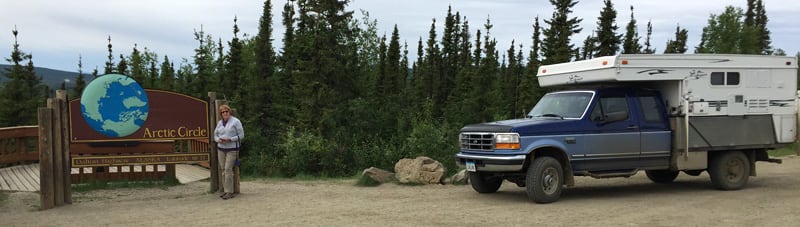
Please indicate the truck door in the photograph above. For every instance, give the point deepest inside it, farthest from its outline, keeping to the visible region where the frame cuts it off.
(615, 140)
(655, 132)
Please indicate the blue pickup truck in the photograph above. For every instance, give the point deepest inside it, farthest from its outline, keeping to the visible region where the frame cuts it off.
(617, 128)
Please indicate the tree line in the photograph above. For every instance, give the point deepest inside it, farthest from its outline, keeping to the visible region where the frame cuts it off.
(337, 97)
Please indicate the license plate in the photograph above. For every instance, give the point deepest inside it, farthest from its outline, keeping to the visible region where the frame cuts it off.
(471, 166)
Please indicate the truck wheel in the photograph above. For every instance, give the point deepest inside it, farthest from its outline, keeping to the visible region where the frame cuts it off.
(661, 176)
(482, 184)
(545, 180)
(729, 170)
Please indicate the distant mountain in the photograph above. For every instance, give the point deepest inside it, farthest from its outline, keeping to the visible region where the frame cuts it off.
(51, 77)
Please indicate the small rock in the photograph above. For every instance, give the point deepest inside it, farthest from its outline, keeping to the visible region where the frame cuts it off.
(378, 175)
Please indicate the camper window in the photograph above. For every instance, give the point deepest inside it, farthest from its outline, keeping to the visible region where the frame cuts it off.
(732, 78)
(722, 78)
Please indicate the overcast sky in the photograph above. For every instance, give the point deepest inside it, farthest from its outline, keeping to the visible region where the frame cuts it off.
(57, 32)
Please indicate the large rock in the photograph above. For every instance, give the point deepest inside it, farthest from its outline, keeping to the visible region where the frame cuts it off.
(421, 170)
(378, 175)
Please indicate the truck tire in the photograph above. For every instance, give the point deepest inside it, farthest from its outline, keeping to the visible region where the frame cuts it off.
(661, 176)
(482, 184)
(545, 180)
(729, 170)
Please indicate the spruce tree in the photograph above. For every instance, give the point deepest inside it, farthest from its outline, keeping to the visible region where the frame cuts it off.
(95, 73)
(322, 78)
(456, 100)
(23, 92)
(417, 73)
(122, 66)
(381, 86)
(465, 46)
(486, 79)
(607, 38)
(268, 93)
(764, 41)
(449, 55)
(137, 66)
(556, 46)
(648, 49)
(530, 90)
(677, 46)
(631, 43)
(80, 83)
(150, 58)
(167, 74)
(110, 62)
(589, 49)
(431, 64)
(394, 79)
(755, 34)
(204, 61)
(234, 67)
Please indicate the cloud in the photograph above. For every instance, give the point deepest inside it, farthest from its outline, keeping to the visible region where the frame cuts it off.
(56, 32)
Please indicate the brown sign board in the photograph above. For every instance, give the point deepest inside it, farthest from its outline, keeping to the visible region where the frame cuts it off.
(171, 116)
(129, 160)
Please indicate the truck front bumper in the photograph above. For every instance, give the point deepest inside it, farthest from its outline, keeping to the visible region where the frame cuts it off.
(492, 163)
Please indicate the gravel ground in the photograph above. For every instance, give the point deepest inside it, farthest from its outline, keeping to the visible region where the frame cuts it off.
(770, 199)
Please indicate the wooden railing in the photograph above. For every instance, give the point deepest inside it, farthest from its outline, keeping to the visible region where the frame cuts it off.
(19, 145)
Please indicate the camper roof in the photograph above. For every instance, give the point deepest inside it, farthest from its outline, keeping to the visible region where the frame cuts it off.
(649, 67)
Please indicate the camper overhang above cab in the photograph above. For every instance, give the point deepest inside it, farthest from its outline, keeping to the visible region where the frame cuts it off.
(648, 67)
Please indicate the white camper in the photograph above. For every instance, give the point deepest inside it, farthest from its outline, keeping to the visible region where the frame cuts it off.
(698, 84)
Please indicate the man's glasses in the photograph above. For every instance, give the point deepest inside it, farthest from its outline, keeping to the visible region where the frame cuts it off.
(224, 111)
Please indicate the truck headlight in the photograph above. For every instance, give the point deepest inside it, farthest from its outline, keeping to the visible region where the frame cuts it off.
(506, 141)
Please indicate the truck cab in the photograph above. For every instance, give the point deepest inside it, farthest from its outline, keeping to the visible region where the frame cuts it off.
(602, 131)
(617, 115)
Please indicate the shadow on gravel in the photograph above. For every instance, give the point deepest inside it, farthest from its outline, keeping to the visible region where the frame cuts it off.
(620, 190)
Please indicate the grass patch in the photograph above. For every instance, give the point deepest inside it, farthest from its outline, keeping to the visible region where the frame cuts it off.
(101, 184)
(785, 151)
(305, 177)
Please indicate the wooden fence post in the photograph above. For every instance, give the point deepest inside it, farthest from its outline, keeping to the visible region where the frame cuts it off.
(212, 145)
(61, 95)
(58, 165)
(46, 191)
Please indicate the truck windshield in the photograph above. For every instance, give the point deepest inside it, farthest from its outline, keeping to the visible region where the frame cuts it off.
(562, 105)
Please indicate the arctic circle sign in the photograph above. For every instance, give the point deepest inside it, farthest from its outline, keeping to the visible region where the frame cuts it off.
(114, 107)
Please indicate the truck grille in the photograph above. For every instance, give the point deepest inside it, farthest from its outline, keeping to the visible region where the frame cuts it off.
(477, 141)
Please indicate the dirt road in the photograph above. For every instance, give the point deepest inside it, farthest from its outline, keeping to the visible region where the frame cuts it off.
(770, 199)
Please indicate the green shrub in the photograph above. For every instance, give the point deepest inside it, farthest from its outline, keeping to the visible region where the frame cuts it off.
(260, 157)
(308, 153)
(789, 150)
(436, 142)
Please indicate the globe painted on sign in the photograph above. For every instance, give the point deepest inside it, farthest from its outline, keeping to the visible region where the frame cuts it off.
(114, 105)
